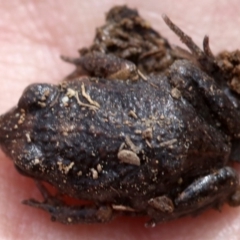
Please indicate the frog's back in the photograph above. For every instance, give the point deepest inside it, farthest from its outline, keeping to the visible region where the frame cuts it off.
(115, 140)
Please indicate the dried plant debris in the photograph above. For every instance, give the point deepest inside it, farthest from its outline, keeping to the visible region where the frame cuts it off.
(128, 36)
(140, 128)
(229, 62)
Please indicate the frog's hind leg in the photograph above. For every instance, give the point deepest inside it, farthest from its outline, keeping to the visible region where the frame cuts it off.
(211, 80)
(205, 94)
(210, 191)
(67, 214)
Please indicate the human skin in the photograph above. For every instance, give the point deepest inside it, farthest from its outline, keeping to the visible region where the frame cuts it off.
(33, 35)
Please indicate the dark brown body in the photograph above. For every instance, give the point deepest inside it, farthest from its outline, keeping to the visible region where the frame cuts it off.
(159, 147)
(76, 148)
(61, 135)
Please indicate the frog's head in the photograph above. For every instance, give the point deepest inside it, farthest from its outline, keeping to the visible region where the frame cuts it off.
(17, 136)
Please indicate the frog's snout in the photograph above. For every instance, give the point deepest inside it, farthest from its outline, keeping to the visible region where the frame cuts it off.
(9, 126)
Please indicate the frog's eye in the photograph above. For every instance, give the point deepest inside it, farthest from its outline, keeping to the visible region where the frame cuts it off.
(37, 96)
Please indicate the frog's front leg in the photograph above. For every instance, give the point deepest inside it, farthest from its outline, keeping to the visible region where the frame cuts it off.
(67, 214)
(97, 64)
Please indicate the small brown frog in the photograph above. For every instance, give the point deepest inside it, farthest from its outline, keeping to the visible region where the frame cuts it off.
(160, 146)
